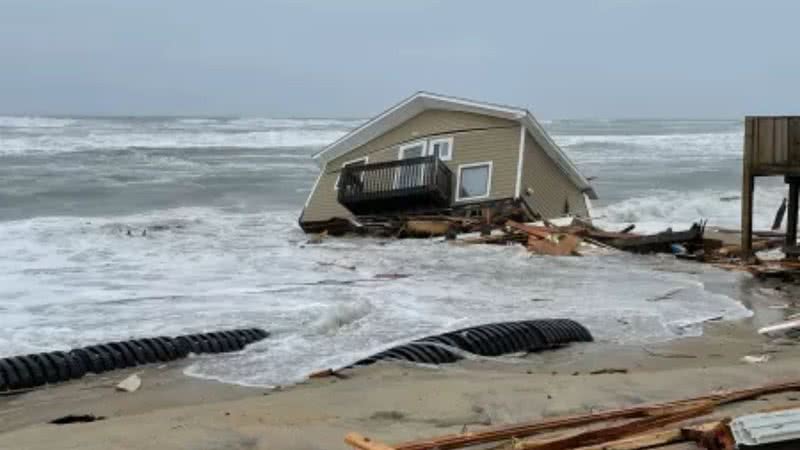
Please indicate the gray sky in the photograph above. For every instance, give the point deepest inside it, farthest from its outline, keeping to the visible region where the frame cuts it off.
(561, 58)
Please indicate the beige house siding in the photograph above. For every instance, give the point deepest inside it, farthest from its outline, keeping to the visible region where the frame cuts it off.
(476, 138)
(545, 188)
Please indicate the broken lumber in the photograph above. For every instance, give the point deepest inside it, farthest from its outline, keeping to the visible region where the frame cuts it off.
(547, 241)
(526, 429)
(776, 224)
(659, 242)
(617, 432)
(649, 440)
(566, 246)
(358, 441)
(428, 227)
(780, 328)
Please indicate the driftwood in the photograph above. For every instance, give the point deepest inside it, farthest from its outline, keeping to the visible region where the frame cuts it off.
(650, 415)
(658, 242)
(617, 432)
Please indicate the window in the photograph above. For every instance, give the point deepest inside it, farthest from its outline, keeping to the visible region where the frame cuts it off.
(355, 162)
(410, 176)
(474, 181)
(442, 148)
(413, 150)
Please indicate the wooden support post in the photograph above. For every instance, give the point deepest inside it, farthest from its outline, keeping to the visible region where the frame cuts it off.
(791, 222)
(747, 192)
(747, 216)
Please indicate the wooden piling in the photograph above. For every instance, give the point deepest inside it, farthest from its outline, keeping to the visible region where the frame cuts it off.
(791, 222)
(747, 192)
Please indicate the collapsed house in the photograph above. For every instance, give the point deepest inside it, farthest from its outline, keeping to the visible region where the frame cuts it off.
(437, 155)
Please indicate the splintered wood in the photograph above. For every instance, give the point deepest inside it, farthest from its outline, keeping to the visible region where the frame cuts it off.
(547, 241)
(638, 427)
(579, 236)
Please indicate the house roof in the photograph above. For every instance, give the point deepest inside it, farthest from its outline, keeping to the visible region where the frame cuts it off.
(422, 101)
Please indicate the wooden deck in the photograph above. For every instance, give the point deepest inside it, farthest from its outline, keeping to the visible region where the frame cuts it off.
(406, 185)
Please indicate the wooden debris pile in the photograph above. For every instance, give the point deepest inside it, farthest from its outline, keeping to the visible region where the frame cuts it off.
(639, 427)
(547, 238)
(575, 237)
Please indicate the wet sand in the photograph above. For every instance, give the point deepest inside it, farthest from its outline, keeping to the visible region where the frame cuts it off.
(395, 402)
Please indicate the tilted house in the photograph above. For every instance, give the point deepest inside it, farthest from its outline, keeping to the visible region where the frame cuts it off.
(434, 153)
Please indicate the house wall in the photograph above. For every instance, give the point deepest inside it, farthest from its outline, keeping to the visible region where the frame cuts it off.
(545, 187)
(476, 138)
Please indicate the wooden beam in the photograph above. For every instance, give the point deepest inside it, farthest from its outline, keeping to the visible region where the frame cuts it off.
(791, 219)
(525, 429)
(747, 191)
(653, 439)
(360, 442)
(612, 433)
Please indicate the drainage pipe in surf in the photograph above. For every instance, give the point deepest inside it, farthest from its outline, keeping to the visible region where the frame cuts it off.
(487, 340)
(28, 371)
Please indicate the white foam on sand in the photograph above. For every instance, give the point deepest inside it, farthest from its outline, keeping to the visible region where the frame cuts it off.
(69, 281)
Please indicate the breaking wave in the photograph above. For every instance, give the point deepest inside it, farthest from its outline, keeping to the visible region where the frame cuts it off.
(618, 149)
(660, 209)
(26, 135)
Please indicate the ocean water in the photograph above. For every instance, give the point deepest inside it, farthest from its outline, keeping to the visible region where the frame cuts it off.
(113, 228)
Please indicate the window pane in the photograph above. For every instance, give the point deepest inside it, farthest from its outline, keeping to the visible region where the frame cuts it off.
(412, 152)
(474, 181)
(358, 162)
(441, 150)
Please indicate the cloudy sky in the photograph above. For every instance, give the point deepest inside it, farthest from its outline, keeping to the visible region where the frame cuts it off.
(351, 58)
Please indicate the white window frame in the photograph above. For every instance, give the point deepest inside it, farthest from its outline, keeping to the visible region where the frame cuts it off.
(488, 194)
(401, 153)
(345, 164)
(405, 147)
(448, 141)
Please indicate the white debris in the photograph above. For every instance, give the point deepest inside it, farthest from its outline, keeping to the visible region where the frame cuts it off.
(130, 384)
(780, 328)
(752, 359)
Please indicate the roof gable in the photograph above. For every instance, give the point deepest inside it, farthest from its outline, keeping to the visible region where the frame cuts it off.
(422, 101)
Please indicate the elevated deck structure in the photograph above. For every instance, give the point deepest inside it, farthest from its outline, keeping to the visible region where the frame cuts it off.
(404, 185)
(771, 148)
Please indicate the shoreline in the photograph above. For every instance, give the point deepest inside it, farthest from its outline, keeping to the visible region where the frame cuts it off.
(396, 402)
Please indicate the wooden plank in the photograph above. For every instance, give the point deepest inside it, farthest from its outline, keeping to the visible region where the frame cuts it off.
(547, 241)
(360, 442)
(794, 140)
(653, 439)
(747, 191)
(525, 429)
(764, 141)
(657, 242)
(566, 246)
(782, 140)
(656, 438)
(540, 232)
(791, 220)
(749, 130)
(612, 433)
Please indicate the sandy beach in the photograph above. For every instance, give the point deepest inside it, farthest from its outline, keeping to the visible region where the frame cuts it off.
(396, 402)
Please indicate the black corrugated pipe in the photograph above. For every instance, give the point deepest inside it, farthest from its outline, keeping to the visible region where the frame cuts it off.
(492, 339)
(28, 371)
